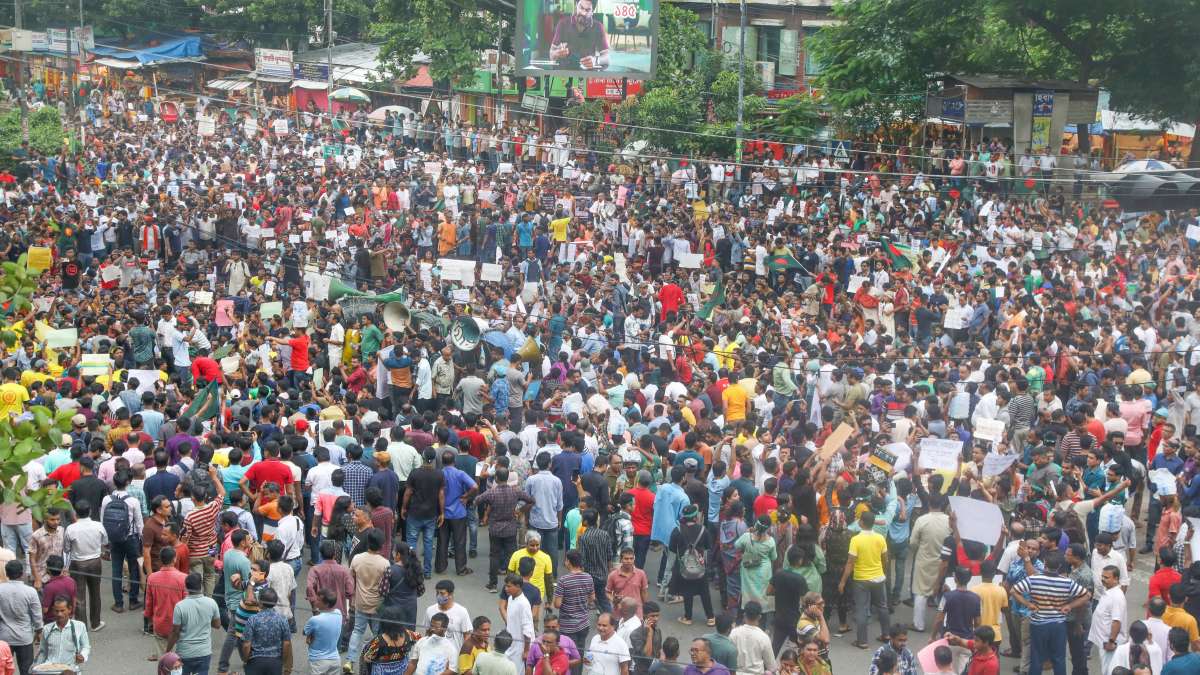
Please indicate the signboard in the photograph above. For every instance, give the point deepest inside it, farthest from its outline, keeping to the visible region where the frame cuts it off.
(538, 104)
(206, 126)
(318, 72)
(38, 41)
(273, 62)
(939, 454)
(551, 41)
(612, 89)
(1043, 110)
(84, 39)
(880, 464)
(57, 39)
(954, 108)
(22, 40)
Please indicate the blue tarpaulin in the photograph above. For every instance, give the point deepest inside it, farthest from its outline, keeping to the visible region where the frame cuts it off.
(171, 49)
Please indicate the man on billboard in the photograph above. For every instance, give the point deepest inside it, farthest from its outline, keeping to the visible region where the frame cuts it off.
(579, 41)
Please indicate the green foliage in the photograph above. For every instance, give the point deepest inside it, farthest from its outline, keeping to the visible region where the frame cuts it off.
(797, 116)
(585, 116)
(451, 33)
(679, 41)
(45, 134)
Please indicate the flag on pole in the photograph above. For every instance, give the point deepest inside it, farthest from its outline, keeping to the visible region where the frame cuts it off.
(718, 297)
(902, 257)
(783, 262)
(207, 403)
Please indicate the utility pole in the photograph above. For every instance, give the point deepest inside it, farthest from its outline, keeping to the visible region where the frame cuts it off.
(741, 78)
(19, 76)
(80, 112)
(329, 58)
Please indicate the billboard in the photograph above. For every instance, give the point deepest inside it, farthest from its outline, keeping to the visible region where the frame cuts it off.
(273, 62)
(587, 38)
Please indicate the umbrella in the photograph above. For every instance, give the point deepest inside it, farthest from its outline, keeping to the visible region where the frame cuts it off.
(378, 114)
(498, 338)
(351, 95)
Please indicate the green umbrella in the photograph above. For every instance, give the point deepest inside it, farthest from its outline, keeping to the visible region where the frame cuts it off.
(351, 95)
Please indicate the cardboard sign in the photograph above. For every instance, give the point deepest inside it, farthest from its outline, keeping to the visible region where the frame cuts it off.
(39, 258)
(939, 454)
(223, 314)
(691, 261)
(202, 297)
(62, 338)
(93, 365)
(903, 455)
(491, 272)
(836, 440)
(995, 464)
(280, 126)
(230, 364)
(145, 379)
(977, 520)
(270, 309)
(989, 430)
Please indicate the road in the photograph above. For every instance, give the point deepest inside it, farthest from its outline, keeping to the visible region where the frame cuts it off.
(122, 645)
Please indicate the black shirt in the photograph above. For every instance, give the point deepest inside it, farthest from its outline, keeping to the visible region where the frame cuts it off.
(424, 484)
(596, 485)
(91, 490)
(70, 272)
(790, 588)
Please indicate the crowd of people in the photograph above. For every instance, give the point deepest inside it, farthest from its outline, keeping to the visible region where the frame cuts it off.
(787, 391)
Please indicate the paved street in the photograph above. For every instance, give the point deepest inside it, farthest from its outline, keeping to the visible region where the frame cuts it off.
(121, 645)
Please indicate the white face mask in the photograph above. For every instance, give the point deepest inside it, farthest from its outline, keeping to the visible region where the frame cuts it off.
(177, 671)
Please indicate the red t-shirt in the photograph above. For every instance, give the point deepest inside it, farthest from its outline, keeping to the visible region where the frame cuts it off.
(206, 368)
(643, 510)
(66, 474)
(982, 664)
(671, 297)
(764, 504)
(1161, 582)
(299, 347)
(478, 442)
(269, 471)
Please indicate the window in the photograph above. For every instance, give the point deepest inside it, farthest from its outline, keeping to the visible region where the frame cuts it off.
(811, 65)
(768, 44)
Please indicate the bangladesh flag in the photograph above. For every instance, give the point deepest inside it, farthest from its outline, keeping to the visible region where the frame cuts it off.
(902, 257)
(718, 297)
(783, 262)
(207, 403)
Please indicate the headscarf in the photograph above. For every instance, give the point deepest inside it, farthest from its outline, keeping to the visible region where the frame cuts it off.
(168, 662)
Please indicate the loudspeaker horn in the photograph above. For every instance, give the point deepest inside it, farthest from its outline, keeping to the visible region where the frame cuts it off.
(529, 352)
(465, 333)
(339, 290)
(396, 316)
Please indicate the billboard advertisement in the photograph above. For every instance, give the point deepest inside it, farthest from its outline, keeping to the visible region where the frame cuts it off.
(273, 62)
(587, 38)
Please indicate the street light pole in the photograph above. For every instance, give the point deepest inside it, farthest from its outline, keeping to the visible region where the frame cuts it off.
(329, 59)
(741, 76)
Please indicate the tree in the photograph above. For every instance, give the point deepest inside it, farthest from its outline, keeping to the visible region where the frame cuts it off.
(453, 34)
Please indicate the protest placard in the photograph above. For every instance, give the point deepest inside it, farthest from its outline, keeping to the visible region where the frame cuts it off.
(491, 272)
(38, 258)
(989, 430)
(903, 455)
(995, 464)
(230, 364)
(691, 261)
(977, 520)
(145, 379)
(836, 440)
(939, 454)
(202, 297)
(270, 309)
(62, 338)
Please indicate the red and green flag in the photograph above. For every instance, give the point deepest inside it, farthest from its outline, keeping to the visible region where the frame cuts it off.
(718, 297)
(782, 262)
(207, 403)
(902, 257)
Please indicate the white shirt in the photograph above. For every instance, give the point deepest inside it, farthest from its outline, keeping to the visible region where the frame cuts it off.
(290, 531)
(1158, 634)
(434, 655)
(460, 621)
(606, 656)
(1099, 562)
(626, 628)
(1110, 608)
(755, 655)
(520, 627)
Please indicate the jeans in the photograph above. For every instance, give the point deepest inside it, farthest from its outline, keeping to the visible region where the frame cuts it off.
(550, 544)
(23, 655)
(641, 546)
(228, 647)
(898, 552)
(426, 527)
(1048, 642)
(502, 549)
(1079, 647)
(1151, 525)
(125, 552)
(456, 529)
(602, 602)
(197, 666)
(362, 621)
(14, 536)
(260, 665)
(473, 528)
(868, 594)
(204, 565)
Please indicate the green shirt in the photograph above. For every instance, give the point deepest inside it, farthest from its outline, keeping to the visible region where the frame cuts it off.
(571, 522)
(235, 562)
(724, 651)
(372, 338)
(194, 615)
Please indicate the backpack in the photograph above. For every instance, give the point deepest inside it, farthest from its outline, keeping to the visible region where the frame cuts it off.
(116, 519)
(692, 563)
(613, 528)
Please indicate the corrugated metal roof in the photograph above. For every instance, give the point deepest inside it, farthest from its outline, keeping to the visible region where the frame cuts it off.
(356, 62)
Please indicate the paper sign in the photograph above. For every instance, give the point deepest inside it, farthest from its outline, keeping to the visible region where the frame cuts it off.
(1163, 481)
(62, 338)
(620, 268)
(145, 379)
(691, 261)
(93, 365)
(306, 236)
(319, 378)
(39, 258)
(293, 239)
(491, 272)
(836, 440)
(230, 364)
(280, 126)
(855, 283)
(989, 430)
(206, 126)
(925, 656)
(995, 464)
(903, 455)
(202, 297)
(110, 273)
(462, 295)
(349, 210)
(322, 425)
(467, 276)
(1193, 232)
(270, 309)
(937, 453)
(389, 164)
(977, 520)
(223, 314)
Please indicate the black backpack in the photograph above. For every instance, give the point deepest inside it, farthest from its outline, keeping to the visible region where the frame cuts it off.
(116, 519)
(614, 533)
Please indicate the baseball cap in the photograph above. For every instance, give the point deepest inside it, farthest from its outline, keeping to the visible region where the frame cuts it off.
(78, 420)
(66, 439)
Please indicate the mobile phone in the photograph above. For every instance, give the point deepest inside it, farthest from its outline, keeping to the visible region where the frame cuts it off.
(575, 475)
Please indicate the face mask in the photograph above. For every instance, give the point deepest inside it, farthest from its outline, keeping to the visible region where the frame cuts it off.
(177, 671)
(442, 598)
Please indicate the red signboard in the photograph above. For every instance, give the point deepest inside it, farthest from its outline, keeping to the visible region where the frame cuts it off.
(610, 89)
(779, 94)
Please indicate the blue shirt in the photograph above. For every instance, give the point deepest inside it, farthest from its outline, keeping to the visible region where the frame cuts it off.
(547, 495)
(668, 507)
(563, 466)
(1016, 573)
(325, 628)
(1182, 665)
(716, 490)
(458, 483)
(898, 531)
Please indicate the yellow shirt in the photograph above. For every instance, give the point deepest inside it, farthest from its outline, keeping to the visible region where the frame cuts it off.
(558, 228)
(1177, 617)
(868, 549)
(12, 399)
(466, 658)
(992, 599)
(542, 567)
(735, 399)
(28, 377)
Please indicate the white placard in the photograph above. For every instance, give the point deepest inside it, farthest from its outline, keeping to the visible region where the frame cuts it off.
(1163, 481)
(989, 430)
(230, 364)
(202, 297)
(977, 520)
(939, 454)
(250, 126)
(206, 126)
(903, 455)
(293, 239)
(995, 464)
(110, 273)
(462, 295)
(389, 164)
(299, 314)
(691, 261)
(467, 276)
(855, 283)
(280, 126)
(145, 378)
(349, 210)
(491, 272)
(620, 268)
(1193, 232)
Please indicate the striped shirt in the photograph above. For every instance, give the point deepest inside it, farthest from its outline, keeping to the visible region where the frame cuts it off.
(1022, 410)
(1049, 593)
(574, 589)
(200, 529)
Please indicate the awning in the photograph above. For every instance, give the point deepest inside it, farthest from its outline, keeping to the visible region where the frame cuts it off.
(186, 48)
(310, 84)
(117, 63)
(421, 79)
(269, 78)
(229, 85)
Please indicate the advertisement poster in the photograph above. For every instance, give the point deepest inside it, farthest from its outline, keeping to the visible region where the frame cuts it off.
(587, 38)
(1043, 110)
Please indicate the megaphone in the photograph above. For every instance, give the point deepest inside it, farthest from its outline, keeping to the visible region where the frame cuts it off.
(529, 352)
(465, 333)
(432, 321)
(396, 316)
(338, 289)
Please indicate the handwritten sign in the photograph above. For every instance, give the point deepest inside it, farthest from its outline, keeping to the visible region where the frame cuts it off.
(989, 430)
(270, 309)
(691, 261)
(202, 297)
(491, 272)
(62, 338)
(995, 464)
(280, 126)
(939, 454)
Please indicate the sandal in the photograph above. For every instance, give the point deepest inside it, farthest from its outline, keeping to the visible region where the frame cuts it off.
(862, 645)
(711, 622)
(686, 622)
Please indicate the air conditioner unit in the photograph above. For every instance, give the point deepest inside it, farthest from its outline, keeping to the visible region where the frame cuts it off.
(766, 73)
